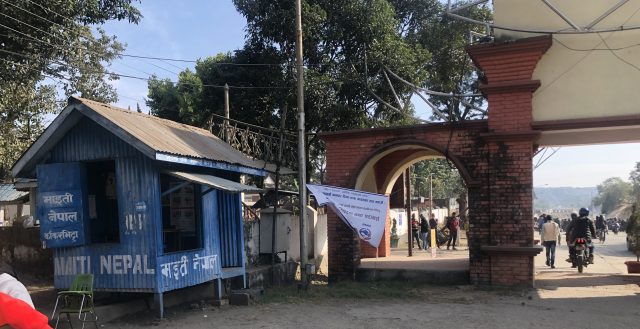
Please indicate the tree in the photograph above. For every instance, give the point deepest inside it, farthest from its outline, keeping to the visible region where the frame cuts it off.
(348, 47)
(612, 193)
(450, 68)
(634, 177)
(447, 182)
(48, 45)
(22, 119)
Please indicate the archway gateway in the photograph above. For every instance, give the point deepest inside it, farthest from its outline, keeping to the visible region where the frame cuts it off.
(493, 156)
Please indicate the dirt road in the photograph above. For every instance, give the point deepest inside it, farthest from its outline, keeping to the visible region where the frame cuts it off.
(601, 297)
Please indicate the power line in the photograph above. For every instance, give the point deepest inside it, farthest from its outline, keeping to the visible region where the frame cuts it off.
(82, 36)
(51, 11)
(143, 78)
(164, 59)
(29, 25)
(617, 56)
(451, 11)
(34, 14)
(596, 48)
(29, 37)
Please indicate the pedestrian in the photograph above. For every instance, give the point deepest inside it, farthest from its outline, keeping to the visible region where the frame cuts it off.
(550, 234)
(541, 221)
(16, 306)
(453, 226)
(424, 232)
(414, 230)
(433, 224)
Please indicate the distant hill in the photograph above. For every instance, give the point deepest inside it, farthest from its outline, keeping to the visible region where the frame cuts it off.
(545, 198)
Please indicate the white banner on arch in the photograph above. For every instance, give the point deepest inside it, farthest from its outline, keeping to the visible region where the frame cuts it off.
(365, 212)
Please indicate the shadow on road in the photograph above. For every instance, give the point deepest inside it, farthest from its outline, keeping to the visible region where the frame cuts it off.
(566, 279)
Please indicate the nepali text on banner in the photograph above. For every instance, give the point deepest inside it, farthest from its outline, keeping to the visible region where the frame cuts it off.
(365, 212)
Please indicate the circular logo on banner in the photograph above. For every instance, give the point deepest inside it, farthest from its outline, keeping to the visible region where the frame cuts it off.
(365, 233)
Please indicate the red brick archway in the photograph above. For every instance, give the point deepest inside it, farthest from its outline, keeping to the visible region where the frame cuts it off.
(493, 156)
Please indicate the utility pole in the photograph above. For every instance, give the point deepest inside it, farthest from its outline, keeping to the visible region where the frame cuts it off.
(407, 202)
(226, 113)
(302, 166)
(430, 194)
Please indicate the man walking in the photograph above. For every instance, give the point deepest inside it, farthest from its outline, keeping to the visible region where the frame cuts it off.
(424, 232)
(453, 225)
(415, 226)
(550, 233)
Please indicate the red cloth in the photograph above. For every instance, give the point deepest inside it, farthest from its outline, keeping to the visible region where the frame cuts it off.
(20, 315)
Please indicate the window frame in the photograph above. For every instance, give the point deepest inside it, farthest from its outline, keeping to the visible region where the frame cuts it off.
(197, 210)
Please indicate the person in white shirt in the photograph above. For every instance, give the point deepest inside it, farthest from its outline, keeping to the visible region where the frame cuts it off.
(12, 287)
(549, 236)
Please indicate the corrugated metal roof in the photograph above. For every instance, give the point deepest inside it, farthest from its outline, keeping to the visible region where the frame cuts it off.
(170, 137)
(215, 182)
(9, 194)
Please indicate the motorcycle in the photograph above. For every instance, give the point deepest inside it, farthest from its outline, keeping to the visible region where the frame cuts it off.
(615, 229)
(582, 254)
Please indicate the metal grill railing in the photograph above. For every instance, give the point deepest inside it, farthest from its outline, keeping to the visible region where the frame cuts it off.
(257, 142)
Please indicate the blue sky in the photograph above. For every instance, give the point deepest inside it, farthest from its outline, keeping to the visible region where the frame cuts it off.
(173, 29)
(200, 28)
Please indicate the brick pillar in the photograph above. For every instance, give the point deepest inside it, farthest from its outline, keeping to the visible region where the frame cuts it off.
(344, 246)
(508, 68)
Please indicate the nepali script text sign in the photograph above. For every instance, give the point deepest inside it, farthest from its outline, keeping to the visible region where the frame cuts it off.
(60, 204)
(365, 212)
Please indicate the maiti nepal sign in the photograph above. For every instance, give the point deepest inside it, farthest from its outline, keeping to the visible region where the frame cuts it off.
(61, 205)
(364, 212)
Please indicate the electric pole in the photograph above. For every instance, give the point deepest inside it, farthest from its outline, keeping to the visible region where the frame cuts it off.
(302, 166)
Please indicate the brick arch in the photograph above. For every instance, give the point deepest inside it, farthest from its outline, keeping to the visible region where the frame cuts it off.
(496, 158)
(386, 164)
(351, 153)
(422, 145)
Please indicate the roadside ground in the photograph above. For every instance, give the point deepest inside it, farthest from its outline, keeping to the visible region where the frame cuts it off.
(602, 296)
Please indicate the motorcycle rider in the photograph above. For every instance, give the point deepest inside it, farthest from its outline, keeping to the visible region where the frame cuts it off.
(569, 238)
(582, 227)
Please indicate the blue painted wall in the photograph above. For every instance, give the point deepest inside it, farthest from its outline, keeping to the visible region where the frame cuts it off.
(136, 263)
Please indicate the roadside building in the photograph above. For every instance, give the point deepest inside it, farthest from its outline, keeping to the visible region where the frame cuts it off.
(144, 204)
(13, 204)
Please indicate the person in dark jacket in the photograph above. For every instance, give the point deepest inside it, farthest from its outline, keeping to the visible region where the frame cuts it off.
(582, 227)
(415, 226)
(424, 232)
(453, 224)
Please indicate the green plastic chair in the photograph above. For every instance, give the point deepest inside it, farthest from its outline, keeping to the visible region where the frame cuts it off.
(78, 299)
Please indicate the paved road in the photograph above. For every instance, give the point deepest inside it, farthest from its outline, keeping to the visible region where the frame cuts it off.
(609, 257)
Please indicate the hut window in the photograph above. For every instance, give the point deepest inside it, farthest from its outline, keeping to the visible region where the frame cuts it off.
(181, 218)
(102, 202)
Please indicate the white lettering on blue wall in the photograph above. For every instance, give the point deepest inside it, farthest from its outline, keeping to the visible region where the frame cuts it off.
(125, 264)
(72, 265)
(134, 223)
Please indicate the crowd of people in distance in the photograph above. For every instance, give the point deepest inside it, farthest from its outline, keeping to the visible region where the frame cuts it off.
(580, 225)
(613, 224)
(421, 231)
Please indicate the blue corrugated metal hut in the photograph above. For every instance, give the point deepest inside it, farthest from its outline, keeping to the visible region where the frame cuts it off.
(143, 203)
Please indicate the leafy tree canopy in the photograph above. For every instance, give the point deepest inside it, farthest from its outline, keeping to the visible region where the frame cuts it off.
(348, 47)
(634, 176)
(611, 193)
(49, 45)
